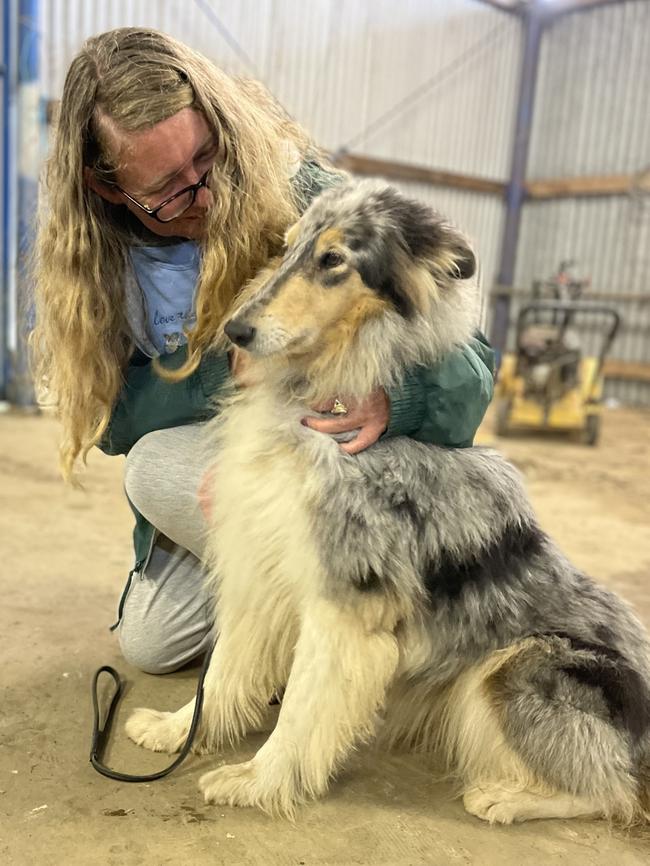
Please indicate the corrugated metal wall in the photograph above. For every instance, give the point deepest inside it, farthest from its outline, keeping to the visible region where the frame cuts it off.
(591, 107)
(592, 116)
(339, 65)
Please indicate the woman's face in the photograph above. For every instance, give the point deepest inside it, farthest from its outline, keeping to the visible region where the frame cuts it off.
(158, 162)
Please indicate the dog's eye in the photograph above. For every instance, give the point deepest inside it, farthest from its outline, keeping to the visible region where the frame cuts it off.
(330, 259)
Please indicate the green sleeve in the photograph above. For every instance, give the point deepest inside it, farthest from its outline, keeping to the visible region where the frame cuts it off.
(444, 404)
(148, 402)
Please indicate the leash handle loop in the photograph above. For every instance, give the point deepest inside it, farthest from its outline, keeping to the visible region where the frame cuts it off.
(101, 732)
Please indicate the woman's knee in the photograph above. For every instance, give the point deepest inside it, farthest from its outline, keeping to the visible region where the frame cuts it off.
(151, 651)
(161, 480)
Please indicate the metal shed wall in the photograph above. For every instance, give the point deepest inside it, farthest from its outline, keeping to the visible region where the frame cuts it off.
(592, 117)
(339, 65)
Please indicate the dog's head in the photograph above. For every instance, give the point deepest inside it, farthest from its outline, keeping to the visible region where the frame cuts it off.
(361, 253)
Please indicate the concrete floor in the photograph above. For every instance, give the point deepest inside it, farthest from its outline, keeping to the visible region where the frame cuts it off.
(66, 554)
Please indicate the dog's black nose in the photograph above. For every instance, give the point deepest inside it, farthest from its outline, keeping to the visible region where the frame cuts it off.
(239, 332)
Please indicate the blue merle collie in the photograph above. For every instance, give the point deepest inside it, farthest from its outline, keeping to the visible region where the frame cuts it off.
(406, 594)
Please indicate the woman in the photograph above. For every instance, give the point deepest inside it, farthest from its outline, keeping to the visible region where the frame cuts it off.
(169, 186)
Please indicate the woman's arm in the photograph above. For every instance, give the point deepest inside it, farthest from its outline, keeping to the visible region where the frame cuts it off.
(445, 404)
(442, 404)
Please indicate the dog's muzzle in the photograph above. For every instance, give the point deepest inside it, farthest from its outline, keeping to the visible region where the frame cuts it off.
(240, 333)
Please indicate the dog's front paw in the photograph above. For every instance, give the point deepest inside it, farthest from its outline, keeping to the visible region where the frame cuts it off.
(245, 785)
(158, 731)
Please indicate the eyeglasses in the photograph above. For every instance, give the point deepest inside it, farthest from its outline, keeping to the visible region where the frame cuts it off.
(175, 205)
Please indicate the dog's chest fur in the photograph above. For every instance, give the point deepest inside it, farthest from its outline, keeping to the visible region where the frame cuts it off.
(288, 497)
(264, 490)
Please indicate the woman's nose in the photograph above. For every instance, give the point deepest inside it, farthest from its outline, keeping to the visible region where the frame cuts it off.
(203, 198)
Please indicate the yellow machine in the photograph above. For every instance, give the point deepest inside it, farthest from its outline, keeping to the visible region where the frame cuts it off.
(547, 384)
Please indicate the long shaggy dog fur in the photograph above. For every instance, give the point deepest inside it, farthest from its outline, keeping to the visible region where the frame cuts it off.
(406, 594)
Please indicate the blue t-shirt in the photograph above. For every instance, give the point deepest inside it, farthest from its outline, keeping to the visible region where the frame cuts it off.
(168, 276)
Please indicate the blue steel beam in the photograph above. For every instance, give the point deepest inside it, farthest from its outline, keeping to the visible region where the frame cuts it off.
(20, 390)
(533, 24)
(7, 72)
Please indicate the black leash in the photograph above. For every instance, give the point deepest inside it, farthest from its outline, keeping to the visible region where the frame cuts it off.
(101, 734)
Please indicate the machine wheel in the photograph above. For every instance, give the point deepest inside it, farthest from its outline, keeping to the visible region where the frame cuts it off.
(502, 417)
(591, 433)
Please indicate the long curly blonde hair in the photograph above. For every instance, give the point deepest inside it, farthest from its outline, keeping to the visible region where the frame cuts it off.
(136, 78)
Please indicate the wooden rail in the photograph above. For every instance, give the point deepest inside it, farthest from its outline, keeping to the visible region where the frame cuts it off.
(392, 170)
(587, 186)
(574, 187)
(630, 371)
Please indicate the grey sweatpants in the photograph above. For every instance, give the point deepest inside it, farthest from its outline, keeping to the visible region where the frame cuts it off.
(167, 615)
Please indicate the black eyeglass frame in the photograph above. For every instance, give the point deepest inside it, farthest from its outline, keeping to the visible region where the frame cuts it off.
(153, 212)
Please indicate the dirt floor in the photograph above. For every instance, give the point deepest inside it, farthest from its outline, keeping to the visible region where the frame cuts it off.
(66, 555)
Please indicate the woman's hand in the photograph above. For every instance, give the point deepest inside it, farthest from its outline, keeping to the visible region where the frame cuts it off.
(370, 417)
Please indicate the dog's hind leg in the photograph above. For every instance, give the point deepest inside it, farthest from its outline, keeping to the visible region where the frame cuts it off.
(344, 661)
(543, 730)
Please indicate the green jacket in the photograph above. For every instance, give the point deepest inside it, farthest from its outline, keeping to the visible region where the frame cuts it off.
(443, 404)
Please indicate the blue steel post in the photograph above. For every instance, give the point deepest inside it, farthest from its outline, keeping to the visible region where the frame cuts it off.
(9, 29)
(533, 23)
(20, 388)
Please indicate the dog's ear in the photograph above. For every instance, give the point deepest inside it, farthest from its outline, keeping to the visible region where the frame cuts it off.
(463, 260)
(430, 239)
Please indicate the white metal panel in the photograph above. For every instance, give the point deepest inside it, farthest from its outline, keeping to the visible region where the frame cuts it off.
(339, 65)
(592, 114)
